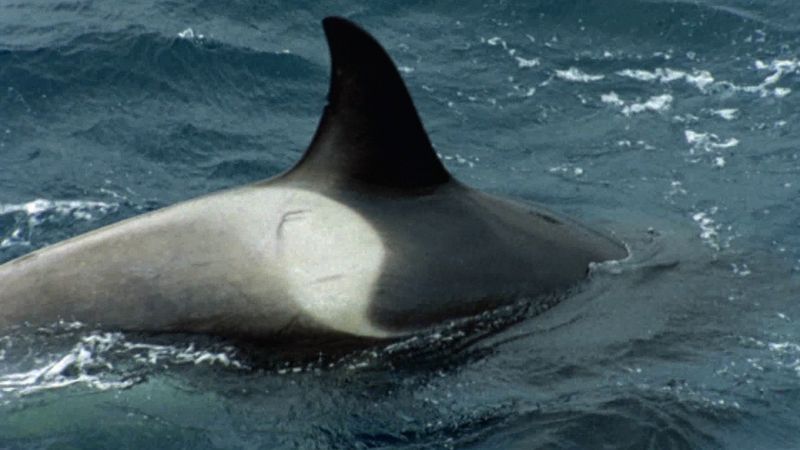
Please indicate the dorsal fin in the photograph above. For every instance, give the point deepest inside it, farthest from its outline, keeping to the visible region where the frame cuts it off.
(370, 131)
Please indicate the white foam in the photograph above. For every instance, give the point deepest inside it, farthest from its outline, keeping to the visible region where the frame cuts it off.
(463, 160)
(693, 137)
(575, 74)
(700, 79)
(709, 229)
(157, 354)
(664, 75)
(80, 209)
(496, 40)
(38, 211)
(786, 354)
(783, 346)
(676, 188)
(612, 98)
(781, 92)
(783, 66)
(91, 363)
(730, 142)
(656, 103)
(77, 366)
(703, 79)
(522, 62)
(742, 270)
(190, 34)
(727, 114)
(707, 142)
(567, 169)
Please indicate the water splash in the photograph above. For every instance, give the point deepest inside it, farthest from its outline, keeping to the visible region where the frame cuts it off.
(656, 103)
(99, 360)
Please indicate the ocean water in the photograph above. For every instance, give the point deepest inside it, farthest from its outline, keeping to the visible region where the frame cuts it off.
(672, 123)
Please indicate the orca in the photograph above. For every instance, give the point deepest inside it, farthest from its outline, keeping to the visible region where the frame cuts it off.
(367, 236)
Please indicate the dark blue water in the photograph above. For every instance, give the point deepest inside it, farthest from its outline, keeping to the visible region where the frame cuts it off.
(672, 123)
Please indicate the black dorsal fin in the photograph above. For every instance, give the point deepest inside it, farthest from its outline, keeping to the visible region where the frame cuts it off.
(370, 131)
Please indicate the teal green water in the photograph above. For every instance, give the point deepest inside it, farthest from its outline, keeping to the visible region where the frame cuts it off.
(673, 123)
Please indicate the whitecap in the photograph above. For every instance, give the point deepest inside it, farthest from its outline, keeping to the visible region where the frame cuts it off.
(190, 34)
(727, 114)
(707, 142)
(575, 74)
(522, 62)
(656, 103)
(612, 98)
(36, 212)
(709, 229)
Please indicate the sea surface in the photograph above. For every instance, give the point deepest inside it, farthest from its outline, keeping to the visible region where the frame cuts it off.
(673, 124)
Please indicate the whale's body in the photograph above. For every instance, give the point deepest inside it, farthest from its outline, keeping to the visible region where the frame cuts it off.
(367, 236)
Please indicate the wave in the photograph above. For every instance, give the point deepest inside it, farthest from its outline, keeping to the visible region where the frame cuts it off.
(676, 22)
(150, 64)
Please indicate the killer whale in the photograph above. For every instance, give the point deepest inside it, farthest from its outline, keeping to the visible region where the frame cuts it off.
(367, 236)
